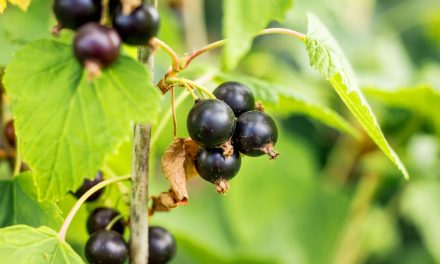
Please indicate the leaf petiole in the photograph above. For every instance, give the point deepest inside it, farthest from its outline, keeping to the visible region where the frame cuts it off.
(75, 208)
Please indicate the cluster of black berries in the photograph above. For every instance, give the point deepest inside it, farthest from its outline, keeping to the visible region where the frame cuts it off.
(96, 45)
(106, 228)
(231, 118)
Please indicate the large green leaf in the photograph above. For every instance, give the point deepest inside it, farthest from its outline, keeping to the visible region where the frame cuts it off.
(242, 20)
(22, 244)
(20, 205)
(283, 100)
(66, 123)
(328, 59)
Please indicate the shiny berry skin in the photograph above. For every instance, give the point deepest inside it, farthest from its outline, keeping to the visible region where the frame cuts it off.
(212, 166)
(75, 13)
(87, 185)
(101, 217)
(106, 247)
(237, 95)
(10, 132)
(97, 44)
(161, 245)
(256, 134)
(210, 122)
(138, 27)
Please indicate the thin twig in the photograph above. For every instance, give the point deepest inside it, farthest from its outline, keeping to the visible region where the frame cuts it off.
(82, 199)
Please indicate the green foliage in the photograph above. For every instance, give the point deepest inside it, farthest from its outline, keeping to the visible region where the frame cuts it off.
(19, 203)
(24, 244)
(18, 27)
(242, 20)
(423, 99)
(328, 59)
(66, 123)
(419, 207)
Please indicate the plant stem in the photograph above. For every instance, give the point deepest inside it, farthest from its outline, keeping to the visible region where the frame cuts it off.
(193, 84)
(140, 174)
(139, 194)
(113, 221)
(173, 108)
(163, 122)
(175, 59)
(221, 43)
(82, 199)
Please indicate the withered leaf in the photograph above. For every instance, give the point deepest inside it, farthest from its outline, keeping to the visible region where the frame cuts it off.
(191, 149)
(173, 169)
(178, 167)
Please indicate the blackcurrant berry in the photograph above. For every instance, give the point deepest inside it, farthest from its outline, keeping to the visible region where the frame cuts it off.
(97, 45)
(101, 217)
(138, 27)
(75, 13)
(237, 95)
(161, 245)
(112, 6)
(211, 122)
(10, 132)
(87, 185)
(256, 134)
(106, 247)
(212, 166)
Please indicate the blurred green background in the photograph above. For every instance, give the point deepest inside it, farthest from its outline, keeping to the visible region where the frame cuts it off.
(329, 198)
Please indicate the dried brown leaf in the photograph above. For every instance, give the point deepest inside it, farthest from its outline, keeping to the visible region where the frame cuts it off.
(165, 202)
(173, 168)
(191, 149)
(178, 167)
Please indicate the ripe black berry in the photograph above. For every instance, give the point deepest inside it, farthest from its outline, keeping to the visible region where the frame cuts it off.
(10, 132)
(87, 185)
(112, 6)
(161, 245)
(101, 217)
(212, 166)
(237, 95)
(97, 45)
(138, 27)
(75, 13)
(106, 247)
(211, 122)
(256, 134)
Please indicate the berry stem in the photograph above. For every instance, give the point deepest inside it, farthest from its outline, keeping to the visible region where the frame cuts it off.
(113, 221)
(155, 42)
(173, 109)
(82, 199)
(18, 159)
(191, 84)
(179, 100)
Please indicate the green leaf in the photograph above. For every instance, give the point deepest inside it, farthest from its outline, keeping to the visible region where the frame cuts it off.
(22, 244)
(242, 20)
(19, 28)
(284, 100)
(328, 59)
(20, 205)
(66, 123)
